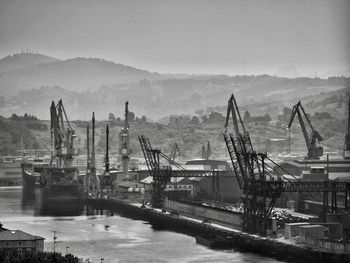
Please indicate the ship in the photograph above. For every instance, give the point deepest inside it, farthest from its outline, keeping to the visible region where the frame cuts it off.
(58, 185)
(56, 181)
(31, 172)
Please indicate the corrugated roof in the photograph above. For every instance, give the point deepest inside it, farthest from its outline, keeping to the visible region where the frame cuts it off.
(10, 235)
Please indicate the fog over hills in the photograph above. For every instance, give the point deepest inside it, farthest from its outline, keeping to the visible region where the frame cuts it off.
(30, 81)
(23, 60)
(77, 74)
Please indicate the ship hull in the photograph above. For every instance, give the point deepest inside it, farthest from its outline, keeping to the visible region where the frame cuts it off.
(58, 200)
(56, 193)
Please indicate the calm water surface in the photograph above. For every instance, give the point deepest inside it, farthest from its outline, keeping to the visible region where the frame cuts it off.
(100, 234)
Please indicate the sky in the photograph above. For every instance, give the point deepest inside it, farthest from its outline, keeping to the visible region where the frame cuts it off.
(185, 36)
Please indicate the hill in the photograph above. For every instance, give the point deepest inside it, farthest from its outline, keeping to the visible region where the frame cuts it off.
(159, 98)
(77, 74)
(23, 60)
(87, 85)
(328, 113)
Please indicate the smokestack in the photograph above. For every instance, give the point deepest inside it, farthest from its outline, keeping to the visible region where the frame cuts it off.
(107, 157)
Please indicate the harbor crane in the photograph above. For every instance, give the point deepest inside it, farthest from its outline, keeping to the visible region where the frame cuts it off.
(347, 138)
(162, 174)
(260, 183)
(62, 137)
(124, 141)
(313, 141)
(106, 181)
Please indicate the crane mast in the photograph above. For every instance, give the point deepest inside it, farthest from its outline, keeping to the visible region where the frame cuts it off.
(347, 137)
(125, 150)
(312, 141)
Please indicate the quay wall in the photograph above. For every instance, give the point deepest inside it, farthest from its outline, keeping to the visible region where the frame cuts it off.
(231, 219)
(240, 241)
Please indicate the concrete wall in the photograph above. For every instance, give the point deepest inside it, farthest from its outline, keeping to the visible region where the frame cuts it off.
(202, 212)
(228, 188)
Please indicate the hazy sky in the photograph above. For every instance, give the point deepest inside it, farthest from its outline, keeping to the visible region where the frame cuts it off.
(185, 36)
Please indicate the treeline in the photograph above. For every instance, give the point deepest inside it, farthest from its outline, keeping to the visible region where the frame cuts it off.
(15, 135)
(38, 257)
(30, 121)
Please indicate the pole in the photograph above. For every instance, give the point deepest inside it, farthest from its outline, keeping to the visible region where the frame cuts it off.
(54, 241)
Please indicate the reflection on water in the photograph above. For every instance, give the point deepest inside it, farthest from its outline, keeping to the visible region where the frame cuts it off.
(96, 234)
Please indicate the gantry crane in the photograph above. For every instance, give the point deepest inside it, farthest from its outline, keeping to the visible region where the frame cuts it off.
(314, 147)
(62, 138)
(347, 138)
(261, 184)
(161, 174)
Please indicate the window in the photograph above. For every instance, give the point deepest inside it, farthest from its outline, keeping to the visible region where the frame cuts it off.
(19, 251)
(28, 250)
(7, 244)
(19, 243)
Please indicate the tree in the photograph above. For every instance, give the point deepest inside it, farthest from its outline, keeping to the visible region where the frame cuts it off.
(199, 112)
(143, 118)
(216, 117)
(14, 117)
(131, 116)
(195, 120)
(267, 117)
(111, 117)
(287, 111)
(246, 116)
(322, 116)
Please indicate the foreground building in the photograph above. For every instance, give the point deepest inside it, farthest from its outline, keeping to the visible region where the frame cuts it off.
(20, 242)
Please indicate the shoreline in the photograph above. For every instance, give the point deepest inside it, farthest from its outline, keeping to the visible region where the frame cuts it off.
(235, 239)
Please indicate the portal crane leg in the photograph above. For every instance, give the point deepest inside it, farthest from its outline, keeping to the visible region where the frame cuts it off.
(347, 196)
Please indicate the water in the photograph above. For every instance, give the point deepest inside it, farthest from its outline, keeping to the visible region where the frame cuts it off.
(102, 234)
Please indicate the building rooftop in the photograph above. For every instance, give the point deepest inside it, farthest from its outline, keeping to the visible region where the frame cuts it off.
(9, 235)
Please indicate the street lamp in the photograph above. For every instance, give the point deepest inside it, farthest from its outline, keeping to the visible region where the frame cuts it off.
(102, 259)
(67, 250)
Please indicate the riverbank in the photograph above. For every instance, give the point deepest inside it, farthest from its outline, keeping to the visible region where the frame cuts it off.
(237, 240)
